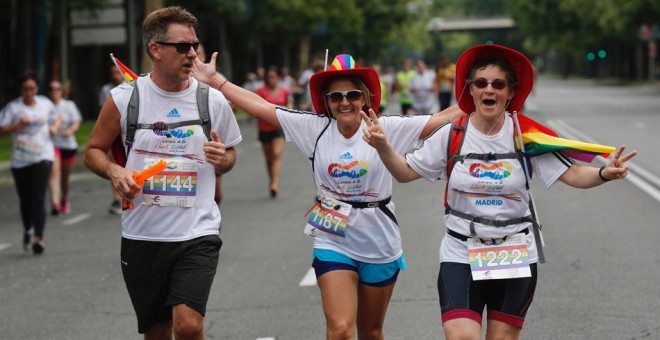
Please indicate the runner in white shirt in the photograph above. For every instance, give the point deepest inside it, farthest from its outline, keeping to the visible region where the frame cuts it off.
(357, 245)
(170, 244)
(66, 148)
(30, 120)
(488, 200)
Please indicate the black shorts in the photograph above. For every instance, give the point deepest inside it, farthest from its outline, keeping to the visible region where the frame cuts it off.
(268, 136)
(159, 275)
(507, 300)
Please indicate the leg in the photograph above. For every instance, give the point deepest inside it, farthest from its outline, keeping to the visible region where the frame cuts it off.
(339, 293)
(497, 330)
(22, 183)
(188, 323)
(372, 306)
(39, 186)
(462, 328)
(54, 184)
(276, 162)
(65, 183)
(461, 301)
(159, 331)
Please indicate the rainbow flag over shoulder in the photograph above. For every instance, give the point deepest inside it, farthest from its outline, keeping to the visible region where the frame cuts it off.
(539, 139)
(128, 74)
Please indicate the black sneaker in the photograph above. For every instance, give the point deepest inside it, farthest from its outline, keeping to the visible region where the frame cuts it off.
(38, 247)
(115, 208)
(27, 238)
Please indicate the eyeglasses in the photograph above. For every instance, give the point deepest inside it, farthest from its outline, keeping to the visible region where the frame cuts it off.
(481, 83)
(338, 96)
(55, 88)
(181, 47)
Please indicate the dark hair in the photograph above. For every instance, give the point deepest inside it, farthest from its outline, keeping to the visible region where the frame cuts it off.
(154, 26)
(27, 75)
(500, 62)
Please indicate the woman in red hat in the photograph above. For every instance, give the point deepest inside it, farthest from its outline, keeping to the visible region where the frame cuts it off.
(357, 245)
(488, 256)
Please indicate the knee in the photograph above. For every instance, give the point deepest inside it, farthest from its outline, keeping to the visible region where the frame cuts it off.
(460, 333)
(341, 329)
(188, 328)
(374, 333)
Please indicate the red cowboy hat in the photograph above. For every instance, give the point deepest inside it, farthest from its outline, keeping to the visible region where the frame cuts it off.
(343, 65)
(519, 64)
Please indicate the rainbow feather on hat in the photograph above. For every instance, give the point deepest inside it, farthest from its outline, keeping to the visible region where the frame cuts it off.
(539, 139)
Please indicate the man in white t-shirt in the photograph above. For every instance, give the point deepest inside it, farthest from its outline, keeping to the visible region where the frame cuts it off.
(170, 234)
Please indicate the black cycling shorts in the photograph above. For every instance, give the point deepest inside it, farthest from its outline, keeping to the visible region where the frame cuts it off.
(159, 275)
(507, 300)
(268, 136)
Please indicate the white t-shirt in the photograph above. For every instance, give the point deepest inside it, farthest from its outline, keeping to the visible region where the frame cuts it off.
(421, 87)
(69, 113)
(189, 180)
(351, 170)
(31, 144)
(494, 189)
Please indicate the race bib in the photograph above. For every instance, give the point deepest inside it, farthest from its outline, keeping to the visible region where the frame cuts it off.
(27, 150)
(499, 258)
(328, 216)
(176, 186)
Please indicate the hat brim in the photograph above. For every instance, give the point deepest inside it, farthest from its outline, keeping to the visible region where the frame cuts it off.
(519, 64)
(319, 82)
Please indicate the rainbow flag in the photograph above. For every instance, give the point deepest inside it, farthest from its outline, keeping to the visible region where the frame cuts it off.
(128, 74)
(539, 139)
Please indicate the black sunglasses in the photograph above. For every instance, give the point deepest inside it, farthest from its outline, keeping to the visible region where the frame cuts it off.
(181, 47)
(351, 95)
(481, 83)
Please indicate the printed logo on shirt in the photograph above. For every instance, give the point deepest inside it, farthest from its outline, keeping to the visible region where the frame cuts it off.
(355, 169)
(182, 133)
(173, 114)
(346, 155)
(497, 170)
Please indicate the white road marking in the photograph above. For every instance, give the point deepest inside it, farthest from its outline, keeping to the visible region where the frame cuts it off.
(309, 279)
(4, 246)
(637, 175)
(265, 338)
(77, 219)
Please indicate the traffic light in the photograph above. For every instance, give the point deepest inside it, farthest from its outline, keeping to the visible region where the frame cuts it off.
(591, 56)
(602, 54)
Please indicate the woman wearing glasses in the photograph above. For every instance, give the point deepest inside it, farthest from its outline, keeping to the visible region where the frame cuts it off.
(487, 210)
(28, 118)
(357, 245)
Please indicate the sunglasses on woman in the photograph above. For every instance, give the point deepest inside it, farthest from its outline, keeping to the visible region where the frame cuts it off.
(481, 83)
(338, 96)
(181, 47)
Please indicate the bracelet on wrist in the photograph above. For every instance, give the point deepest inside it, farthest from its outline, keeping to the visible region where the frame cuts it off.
(222, 84)
(600, 174)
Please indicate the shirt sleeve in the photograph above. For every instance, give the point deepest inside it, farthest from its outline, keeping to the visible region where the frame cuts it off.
(403, 132)
(430, 159)
(548, 167)
(302, 128)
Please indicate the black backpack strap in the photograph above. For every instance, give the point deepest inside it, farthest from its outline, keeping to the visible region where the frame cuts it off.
(317, 141)
(132, 117)
(203, 108)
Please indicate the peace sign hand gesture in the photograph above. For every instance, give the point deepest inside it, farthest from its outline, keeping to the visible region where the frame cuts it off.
(373, 133)
(617, 168)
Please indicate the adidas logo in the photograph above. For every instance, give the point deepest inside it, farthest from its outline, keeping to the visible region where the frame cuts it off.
(346, 155)
(173, 114)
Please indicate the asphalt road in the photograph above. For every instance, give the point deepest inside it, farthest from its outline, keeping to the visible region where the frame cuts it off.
(600, 281)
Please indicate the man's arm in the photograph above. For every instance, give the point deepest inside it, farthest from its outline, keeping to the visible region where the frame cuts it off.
(106, 130)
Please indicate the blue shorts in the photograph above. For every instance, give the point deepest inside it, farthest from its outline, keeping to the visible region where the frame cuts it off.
(371, 274)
